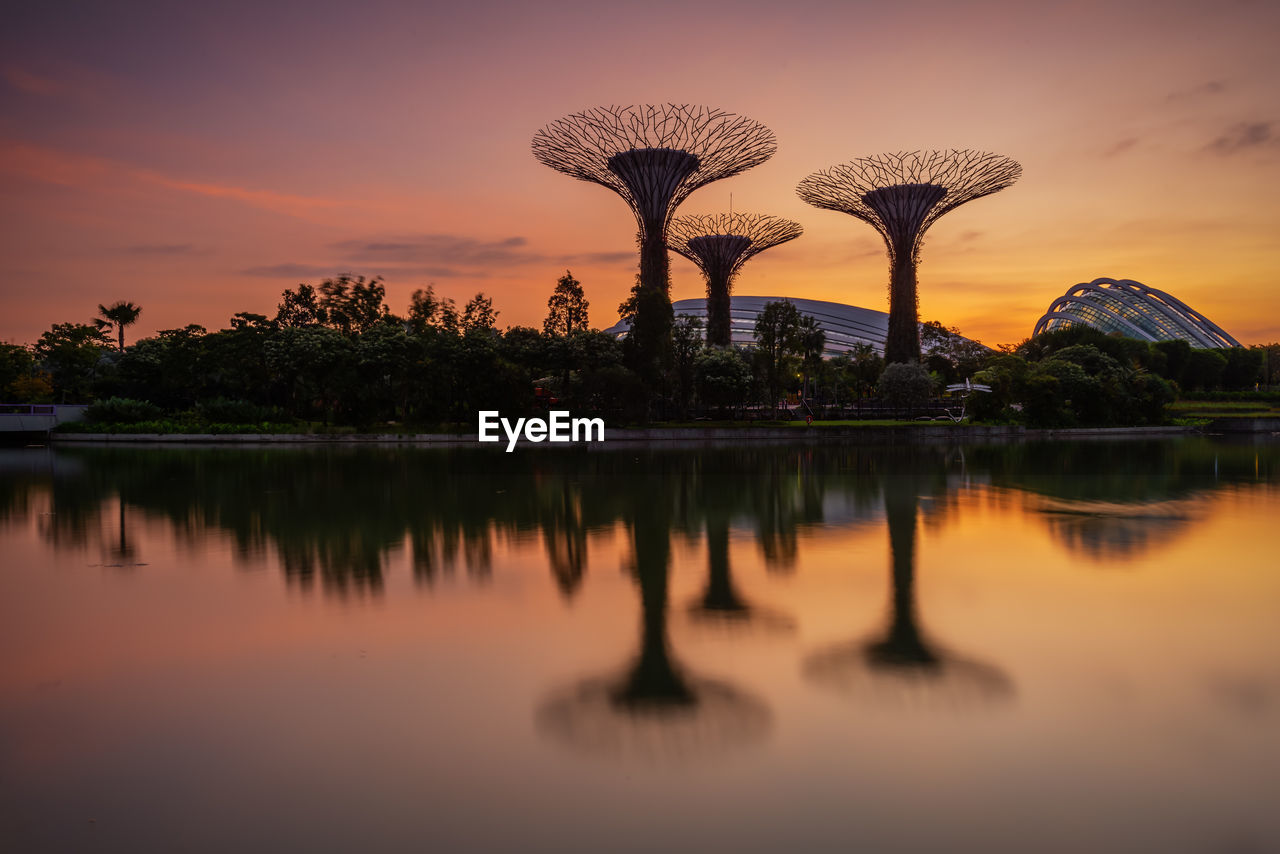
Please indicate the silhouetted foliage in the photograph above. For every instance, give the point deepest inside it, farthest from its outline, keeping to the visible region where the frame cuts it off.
(117, 316)
(566, 308)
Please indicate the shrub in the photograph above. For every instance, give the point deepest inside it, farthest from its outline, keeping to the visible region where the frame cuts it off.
(224, 410)
(905, 385)
(122, 410)
(723, 377)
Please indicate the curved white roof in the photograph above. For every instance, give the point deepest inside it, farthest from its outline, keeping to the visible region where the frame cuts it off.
(846, 326)
(1133, 310)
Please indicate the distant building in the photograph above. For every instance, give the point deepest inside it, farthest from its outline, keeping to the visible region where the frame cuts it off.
(846, 326)
(1133, 310)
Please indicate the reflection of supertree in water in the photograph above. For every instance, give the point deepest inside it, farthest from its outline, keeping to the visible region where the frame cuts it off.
(654, 710)
(901, 195)
(720, 603)
(720, 245)
(903, 667)
(653, 157)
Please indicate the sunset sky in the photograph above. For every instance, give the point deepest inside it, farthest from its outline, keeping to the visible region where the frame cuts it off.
(197, 159)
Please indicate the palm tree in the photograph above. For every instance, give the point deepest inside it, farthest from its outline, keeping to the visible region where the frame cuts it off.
(121, 314)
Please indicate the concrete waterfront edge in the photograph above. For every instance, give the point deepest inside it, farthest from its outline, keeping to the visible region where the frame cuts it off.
(647, 435)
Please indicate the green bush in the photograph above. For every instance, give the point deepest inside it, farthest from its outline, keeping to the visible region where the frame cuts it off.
(228, 411)
(121, 410)
(905, 385)
(723, 377)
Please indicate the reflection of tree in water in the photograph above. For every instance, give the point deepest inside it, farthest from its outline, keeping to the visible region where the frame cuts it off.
(565, 534)
(333, 517)
(654, 710)
(1114, 501)
(787, 494)
(902, 667)
(721, 605)
(1109, 532)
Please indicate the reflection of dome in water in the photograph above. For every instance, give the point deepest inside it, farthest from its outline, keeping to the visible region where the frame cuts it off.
(945, 683)
(1103, 530)
(715, 718)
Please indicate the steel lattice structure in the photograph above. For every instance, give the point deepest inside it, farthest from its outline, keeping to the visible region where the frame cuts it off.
(900, 195)
(1135, 311)
(720, 244)
(654, 157)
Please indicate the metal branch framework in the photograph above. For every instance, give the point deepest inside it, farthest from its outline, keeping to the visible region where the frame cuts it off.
(720, 244)
(901, 195)
(654, 157)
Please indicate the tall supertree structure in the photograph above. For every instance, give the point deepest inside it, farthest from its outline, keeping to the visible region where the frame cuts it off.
(720, 244)
(654, 157)
(901, 195)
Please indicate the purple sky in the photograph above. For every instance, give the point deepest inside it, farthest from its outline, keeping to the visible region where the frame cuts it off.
(199, 158)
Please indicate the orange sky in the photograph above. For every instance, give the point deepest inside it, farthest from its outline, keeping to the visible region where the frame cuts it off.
(198, 161)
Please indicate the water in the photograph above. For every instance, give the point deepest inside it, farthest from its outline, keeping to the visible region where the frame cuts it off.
(1068, 647)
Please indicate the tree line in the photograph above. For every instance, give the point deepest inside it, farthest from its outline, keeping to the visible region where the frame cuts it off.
(336, 353)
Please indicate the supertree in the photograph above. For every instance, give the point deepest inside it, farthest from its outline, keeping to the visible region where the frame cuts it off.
(654, 157)
(901, 195)
(720, 244)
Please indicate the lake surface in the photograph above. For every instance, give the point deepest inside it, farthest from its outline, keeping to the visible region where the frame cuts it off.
(1033, 647)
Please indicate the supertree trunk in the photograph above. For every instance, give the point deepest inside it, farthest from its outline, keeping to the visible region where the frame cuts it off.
(902, 343)
(901, 195)
(653, 157)
(655, 263)
(720, 244)
(718, 326)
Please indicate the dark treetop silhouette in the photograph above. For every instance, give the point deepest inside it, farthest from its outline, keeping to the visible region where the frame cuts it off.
(720, 244)
(654, 157)
(901, 195)
(119, 315)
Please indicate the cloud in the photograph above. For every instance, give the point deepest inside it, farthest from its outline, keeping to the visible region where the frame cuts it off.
(29, 83)
(1205, 89)
(81, 170)
(440, 249)
(598, 258)
(302, 207)
(161, 249)
(1244, 136)
(1121, 147)
(290, 270)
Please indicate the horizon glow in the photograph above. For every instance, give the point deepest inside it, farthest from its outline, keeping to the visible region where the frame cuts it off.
(198, 161)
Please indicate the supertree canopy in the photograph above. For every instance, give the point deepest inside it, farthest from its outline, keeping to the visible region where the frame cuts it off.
(654, 157)
(901, 195)
(720, 244)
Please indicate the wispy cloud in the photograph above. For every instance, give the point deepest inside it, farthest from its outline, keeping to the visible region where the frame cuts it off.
(442, 249)
(1245, 136)
(598, 258)
(30, 83)
(458, 255)
(303, 207)
(291, 270)
(1120, 147)
(161, 249)
(65, 168)
(1202, 90)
